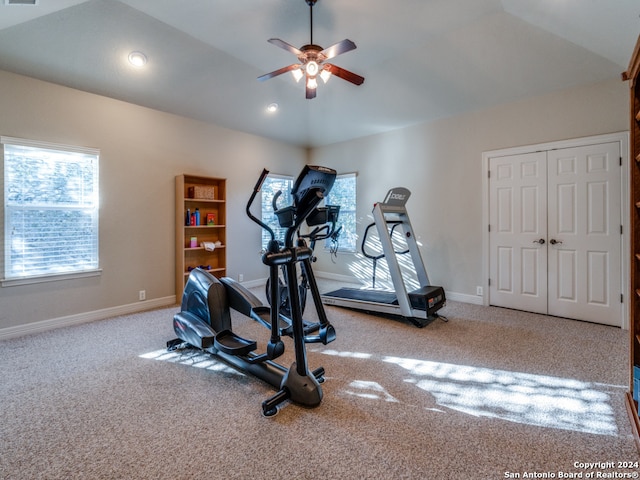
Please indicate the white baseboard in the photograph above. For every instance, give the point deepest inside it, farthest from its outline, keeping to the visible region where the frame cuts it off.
(44, 325)
(464, 298)
(453, 296)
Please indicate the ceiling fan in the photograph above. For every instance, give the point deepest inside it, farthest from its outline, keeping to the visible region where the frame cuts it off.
(312, 58)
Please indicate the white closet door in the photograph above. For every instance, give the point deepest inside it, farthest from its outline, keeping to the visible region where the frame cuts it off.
(555, 241)
(517, 240)
(584, 245)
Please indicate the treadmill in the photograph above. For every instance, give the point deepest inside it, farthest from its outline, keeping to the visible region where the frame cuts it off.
(420, 306)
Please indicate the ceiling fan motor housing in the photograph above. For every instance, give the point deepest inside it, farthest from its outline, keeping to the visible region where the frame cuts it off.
(311, 53)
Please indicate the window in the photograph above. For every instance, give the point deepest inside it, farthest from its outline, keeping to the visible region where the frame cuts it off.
(270, 187)
(343, 193)
(50, 211)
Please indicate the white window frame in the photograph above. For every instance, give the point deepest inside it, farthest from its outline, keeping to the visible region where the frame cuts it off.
(344, 211)
(89, 204)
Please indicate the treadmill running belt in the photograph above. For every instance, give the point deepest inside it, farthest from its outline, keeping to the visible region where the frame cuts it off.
(374, 296)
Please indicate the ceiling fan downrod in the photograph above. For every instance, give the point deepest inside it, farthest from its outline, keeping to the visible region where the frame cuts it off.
(311, 3)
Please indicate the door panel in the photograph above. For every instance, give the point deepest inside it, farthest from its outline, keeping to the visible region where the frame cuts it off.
(529, 271)
(566, 259)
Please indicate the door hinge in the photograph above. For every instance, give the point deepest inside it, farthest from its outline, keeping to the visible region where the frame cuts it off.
(489, 227)
(621, 298)
(489, 282)
(488, 173)
(620, 161)
(620, 229)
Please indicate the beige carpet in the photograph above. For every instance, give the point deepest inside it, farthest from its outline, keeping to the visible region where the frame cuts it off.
(489, 394)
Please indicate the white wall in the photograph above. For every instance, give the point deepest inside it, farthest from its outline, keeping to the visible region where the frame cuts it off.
(142, 150)
(441, 162)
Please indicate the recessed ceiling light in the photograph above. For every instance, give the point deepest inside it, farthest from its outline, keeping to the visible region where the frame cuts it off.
(137, 59)
(272, 107)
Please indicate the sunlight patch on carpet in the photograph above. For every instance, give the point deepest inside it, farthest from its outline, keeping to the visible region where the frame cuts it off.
(336, 353)
(370, 390)
(538, 400)
(193, 358)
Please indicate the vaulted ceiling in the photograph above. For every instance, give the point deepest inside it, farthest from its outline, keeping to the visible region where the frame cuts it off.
(422, 59)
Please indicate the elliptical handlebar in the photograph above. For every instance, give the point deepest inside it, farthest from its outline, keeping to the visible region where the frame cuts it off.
(274, 201)
(322, 233)
(256, 189)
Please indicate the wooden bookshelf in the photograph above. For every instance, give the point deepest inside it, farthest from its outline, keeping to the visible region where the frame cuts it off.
(208, 196)
(631, 75)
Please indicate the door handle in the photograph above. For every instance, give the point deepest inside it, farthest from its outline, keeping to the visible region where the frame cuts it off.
(541, 241)
(553, 241)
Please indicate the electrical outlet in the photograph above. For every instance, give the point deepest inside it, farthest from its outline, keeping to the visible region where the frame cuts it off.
(240, 277)
(142, 295)
(479, 291)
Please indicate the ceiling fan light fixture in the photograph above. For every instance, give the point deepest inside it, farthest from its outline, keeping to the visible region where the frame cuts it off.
(325, 75)
(297, 74)
(312, 83)
(312, 68)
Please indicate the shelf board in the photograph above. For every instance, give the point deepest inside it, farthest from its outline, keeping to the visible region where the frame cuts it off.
(215, 226)
(202, 248)
(203, 200)
(211, 270)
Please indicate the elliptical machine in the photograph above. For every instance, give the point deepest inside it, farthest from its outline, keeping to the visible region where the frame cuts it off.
(204, 320)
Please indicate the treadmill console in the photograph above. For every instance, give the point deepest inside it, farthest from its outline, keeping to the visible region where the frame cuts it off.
(397, 197)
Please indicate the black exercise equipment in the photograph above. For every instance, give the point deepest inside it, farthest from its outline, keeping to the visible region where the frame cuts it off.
(204, 320)
(419, 306)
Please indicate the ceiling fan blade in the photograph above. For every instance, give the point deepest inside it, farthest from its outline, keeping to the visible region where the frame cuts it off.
(284, 45)
(311, 93)
(344, 74)
(280, 71)
(344, 46)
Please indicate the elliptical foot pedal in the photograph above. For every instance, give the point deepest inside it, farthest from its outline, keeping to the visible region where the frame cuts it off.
(232, 344)
(175, 344)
